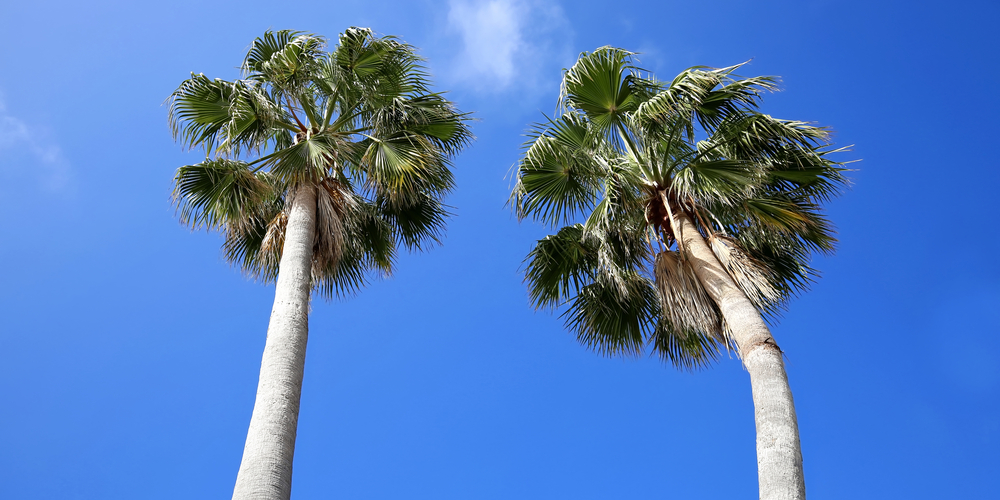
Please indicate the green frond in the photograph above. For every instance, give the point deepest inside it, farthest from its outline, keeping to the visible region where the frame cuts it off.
(254, 243)
(612, 320)
(605, 84)
(384, 63)
(796, 217)
(199, 109)
(560, 172)
(674, 107)
(419, 221)
(361, 52)
(374, 239)
(734, 98)
(305, 161)
(704, 96)
(284, 59)
(217, 192)
(232, 116)
(432, 117)
(404, 163)
(722, 181)
(808, 173)
(786, 258)
(559, 266)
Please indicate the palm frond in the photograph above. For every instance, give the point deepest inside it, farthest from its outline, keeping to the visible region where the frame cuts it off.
(304, 161)
(383, 63)
(684, 303)
(214, 193)
(418, 220)
(559, 266)
(225, 116)
(559, 172)
(429, 116)
(612, 320)
(254, 243)
(284, 59)
(374, 238)
(753, 277)
(808, 173)
(605, 85)
(795, 216)
(722, 181)
(404, 163)
(734, 98)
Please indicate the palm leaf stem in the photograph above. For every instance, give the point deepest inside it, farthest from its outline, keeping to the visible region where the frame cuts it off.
(722, 227)
(291, 109)
(345, 116)
(309, 111)
(264, 158)
(697, 214)
(673, 224)
(628, 142)
(331, 105)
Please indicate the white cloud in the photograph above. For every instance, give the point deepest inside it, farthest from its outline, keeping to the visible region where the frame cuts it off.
(506, 41)
(27, 151)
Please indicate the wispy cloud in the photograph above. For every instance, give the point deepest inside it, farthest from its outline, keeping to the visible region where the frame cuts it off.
(27, 151)
(507, 43)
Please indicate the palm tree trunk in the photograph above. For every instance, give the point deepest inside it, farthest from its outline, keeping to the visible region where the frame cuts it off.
(266, 469)
(779, 453)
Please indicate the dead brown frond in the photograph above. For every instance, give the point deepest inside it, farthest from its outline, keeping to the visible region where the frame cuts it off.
(335, 206)
(751, 276)
(328, 241)
(683, 299)
(274, 241)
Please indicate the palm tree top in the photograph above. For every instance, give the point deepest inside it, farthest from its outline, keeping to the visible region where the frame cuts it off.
(626, 150)
(359, 122)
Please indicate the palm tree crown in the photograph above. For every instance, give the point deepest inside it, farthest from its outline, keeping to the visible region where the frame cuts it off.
(358, 123)
(629, 156)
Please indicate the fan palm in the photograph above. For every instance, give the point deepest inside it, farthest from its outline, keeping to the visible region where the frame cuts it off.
(684, 217)
(318, 166)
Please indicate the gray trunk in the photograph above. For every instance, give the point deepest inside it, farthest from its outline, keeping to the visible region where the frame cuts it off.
(779, 453)
(266, 469)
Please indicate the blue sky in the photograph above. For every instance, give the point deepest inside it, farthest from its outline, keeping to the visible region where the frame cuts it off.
(129, 349)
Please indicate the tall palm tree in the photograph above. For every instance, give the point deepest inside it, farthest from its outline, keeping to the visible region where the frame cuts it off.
(318, 166)
(699, 215)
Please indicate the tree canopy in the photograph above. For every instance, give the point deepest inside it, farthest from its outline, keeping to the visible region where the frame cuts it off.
(625, 151)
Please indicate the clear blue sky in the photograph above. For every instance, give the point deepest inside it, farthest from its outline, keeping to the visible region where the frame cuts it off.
(129, 349)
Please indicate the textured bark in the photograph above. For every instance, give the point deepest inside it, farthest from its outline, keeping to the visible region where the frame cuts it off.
(266, 469)
(779, 453)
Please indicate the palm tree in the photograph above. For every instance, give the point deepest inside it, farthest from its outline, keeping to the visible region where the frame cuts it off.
(699, 215)
(318, 166)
